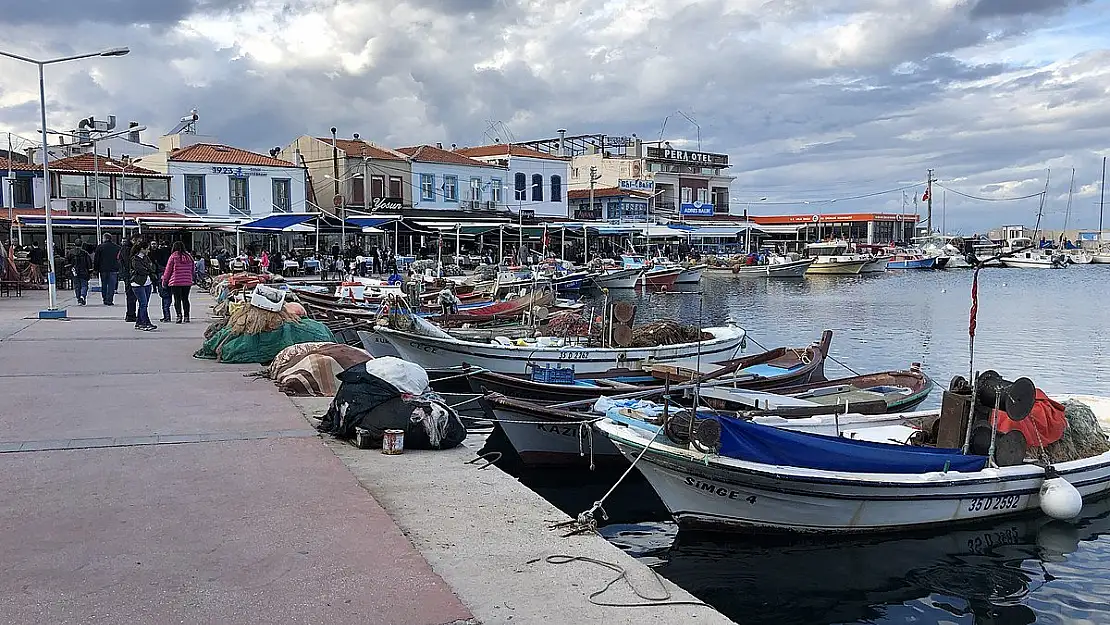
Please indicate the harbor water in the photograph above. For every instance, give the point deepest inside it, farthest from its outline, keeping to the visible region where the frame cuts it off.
(1049, 325)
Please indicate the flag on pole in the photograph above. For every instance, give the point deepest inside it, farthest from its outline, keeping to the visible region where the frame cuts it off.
(974, 304)
(925, 196)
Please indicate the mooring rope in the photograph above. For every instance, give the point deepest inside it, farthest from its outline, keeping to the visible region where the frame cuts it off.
(664, 598)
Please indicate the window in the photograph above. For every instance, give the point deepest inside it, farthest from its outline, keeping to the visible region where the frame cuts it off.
(105, 184)
(194, 194)
(574, 173)
(396, 187)
(22, 194)
(450, 188)
(521, 182)
(537, 188)
(427, 187)
(475, 189)
(238, 194)
(495, 191)
(703, 195)
(71, 186)
(129, 188)
(556, 188)
(686, 193)
(377, 186)
(156, 189)
(282, 202)
(358, 189)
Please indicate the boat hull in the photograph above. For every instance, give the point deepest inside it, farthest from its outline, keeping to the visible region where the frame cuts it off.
(915, 263)
(735, 495)
(1031, 263)
(845, 268)
(1100, 259)
(877, 265)
(690, 275)
(791, 269)
(434, 352)
(621, 279)
(663, 278)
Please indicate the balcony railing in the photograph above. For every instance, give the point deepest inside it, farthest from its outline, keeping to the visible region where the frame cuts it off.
(239, 207)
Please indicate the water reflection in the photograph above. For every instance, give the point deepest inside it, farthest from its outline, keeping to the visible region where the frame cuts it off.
(1013, 573)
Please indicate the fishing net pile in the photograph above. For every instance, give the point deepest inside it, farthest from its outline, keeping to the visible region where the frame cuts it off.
(420, 266)
(568, 323)
(666, 333)
(487, 272)
(392, 394)
(312, 369)
(1083, 437)
(254, 335)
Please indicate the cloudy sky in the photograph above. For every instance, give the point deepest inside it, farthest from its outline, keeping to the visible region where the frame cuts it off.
(814, 100)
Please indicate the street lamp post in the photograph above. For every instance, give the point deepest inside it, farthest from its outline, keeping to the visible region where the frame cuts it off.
(53, 312)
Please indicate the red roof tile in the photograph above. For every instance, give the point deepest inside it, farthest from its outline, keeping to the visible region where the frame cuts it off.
(84, 163)
(18, 166)
(358, 147)
(584, 194)
(224, 155)
(432, 154)
(503, 149)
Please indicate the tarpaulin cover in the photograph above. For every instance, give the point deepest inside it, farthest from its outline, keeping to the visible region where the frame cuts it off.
(1044, 425)
(224, 346)
(752, 442)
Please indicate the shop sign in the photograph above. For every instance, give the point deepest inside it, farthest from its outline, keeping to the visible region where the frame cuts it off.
(702, 209)
(386, 203)
(618, 142)
(88, 207)
(627, 184)
(239, 172)
(686, 156)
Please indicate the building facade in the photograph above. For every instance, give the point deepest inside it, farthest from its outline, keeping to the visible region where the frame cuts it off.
(609, 204)
(681, 182)
(124, 188)
(536, 184)
(448, 181)
(343, 168)
(20, 184)
(870, 228)
(222, 181)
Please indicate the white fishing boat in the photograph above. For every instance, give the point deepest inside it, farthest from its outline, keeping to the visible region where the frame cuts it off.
(1101, 257)
(690, 275)
(433, 350)
(833, 258)
(615, 279)
(877, 264)
(1078, 256)
(1022, 253)
(766, 478)
(776, 267)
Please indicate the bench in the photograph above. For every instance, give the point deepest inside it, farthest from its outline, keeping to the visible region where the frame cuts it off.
(6, 287)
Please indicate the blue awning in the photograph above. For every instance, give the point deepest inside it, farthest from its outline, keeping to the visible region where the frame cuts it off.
(682, 226)
(368, 222)
(277, 223)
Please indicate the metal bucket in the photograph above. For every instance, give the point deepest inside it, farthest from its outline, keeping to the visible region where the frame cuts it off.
(393, 442)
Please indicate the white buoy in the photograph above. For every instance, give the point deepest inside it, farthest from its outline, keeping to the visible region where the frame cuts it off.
(944, 290)
(1059, 499)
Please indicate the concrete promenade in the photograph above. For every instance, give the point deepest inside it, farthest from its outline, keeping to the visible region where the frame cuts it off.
(139, 485)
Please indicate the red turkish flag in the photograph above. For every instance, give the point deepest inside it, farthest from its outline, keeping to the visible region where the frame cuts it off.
(925, 196)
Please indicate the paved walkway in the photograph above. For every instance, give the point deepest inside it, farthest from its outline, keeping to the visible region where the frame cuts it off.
(139, 485)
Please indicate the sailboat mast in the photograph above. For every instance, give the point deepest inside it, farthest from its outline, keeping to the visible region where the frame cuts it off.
(1102, 199)
(1067, 209)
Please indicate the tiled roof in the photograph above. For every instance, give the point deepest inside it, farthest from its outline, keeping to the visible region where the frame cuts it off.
(18, 166)
(224, 155)
(358, 147)
(84, 163)
(503, 149)
(432, 154)
(584, 194)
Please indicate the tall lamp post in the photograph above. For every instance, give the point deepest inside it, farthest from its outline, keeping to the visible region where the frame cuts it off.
(343, 208)
(53, 312)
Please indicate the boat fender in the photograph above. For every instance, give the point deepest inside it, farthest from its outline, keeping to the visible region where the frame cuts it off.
(1059, 499)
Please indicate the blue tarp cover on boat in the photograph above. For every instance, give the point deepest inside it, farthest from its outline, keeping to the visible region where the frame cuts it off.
(752, 442)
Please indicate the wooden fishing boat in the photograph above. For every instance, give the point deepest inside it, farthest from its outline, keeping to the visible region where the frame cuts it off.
(659, 277)
(767, 478)
(888, 391)
(690, 275)
(778, 267)
(780, 367)
(499, 356)
(616, 279)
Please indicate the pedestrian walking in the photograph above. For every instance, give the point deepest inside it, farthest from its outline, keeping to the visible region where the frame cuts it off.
(80, 268)
(177, 278)
(160, 256)
(106, 265)
(143, 278)
(125, 276)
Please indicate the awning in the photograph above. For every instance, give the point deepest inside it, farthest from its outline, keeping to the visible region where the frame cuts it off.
(280, 223)
(707, 232)
(665, 232)
(185, 223)
(68, 221)
(368, 222)
(618, 229)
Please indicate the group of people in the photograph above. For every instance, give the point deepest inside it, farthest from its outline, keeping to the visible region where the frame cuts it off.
(145, 267)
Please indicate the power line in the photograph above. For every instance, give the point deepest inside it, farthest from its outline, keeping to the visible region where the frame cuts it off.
(831, 200)
(991, 199)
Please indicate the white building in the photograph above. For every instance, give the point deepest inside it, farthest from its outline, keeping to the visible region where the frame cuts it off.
(537, 181)
(446, 180)
(342, 168)
(222, 181)
(124, 187)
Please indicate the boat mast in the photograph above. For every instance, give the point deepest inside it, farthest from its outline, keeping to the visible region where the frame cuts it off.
(1067, 209)
(1102, 199)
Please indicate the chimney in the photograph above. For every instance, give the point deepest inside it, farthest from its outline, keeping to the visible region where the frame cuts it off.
(439, 144)
(111, 122)
(562, 141)
(133, 136)
(637, 146)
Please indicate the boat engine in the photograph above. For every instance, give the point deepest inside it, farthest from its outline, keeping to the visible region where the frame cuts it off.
(1015, 397)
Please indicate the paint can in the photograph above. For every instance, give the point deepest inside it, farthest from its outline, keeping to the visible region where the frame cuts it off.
(393, 442)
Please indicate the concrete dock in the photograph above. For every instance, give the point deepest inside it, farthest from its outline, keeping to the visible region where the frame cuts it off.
(141, 485)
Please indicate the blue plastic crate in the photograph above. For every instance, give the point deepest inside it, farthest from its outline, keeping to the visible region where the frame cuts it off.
(549, 374)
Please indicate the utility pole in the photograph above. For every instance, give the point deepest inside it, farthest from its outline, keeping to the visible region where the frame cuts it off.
(594, 177)
(929, 199)
(365, 184)
(1101, 199)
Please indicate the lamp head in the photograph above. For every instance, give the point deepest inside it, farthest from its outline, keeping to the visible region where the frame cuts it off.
(116, 52)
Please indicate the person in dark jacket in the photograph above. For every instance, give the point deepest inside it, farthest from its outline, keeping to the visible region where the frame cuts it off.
(160, 256)
(80, 267)
(106, 264)
(143, 278)
(124, 258)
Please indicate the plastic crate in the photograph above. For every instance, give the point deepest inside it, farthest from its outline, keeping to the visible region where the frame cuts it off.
(549, 374)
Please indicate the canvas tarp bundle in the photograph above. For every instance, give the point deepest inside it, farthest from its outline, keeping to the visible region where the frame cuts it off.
(752, 442)
(224, 346)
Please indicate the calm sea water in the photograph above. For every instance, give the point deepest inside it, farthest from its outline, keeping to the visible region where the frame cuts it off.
(1050, 325)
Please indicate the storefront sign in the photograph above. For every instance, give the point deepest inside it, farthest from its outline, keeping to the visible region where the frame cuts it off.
(527, 213)
(585, 213)
(387, 203)
(687, 156)
(88, 207)
(239, 172)
(636, 185)
(630, 211)
(618, 142)
(696, 208)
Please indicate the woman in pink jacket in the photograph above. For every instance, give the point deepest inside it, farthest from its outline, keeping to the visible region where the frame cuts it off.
(178, 276)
